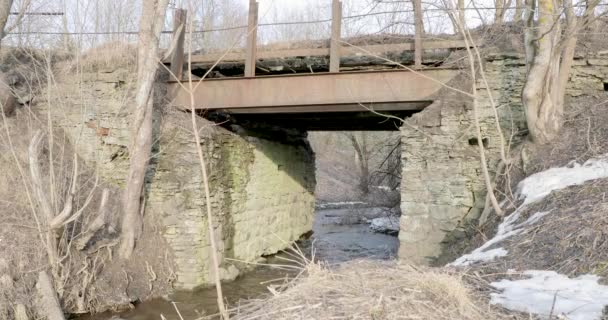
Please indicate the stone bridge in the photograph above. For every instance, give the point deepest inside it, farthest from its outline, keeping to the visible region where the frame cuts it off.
(261, 165)
(262, 176)
(272, 98)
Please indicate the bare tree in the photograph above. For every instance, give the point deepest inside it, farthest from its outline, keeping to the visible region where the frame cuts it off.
(152, 22)
(519, 11)
(7, 99)
(362, 156)
(5, 11)
(501, 9)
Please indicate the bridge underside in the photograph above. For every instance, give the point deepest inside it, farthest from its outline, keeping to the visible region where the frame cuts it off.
(325, 101)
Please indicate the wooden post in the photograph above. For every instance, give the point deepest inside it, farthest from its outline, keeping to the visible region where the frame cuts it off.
(419, 29)
(461, 17)
(179, 36)
(252, 39)
(336, 35)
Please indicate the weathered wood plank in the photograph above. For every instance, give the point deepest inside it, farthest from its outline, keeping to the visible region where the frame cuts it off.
(179, 35)
(336, 36)
(419, 30)
(252, 39)
(378, 49)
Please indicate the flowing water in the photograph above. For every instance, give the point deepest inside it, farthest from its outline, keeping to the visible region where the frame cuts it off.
(332, 242)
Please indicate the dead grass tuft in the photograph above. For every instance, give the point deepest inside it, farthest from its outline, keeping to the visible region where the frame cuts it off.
(107, 57)
(372, 290)
(571, 240)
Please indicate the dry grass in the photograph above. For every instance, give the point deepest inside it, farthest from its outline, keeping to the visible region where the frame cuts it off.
(571, 240)
(107, 57)
(372, 290)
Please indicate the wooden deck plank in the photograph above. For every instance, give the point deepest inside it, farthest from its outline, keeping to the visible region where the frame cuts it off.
(378, 49)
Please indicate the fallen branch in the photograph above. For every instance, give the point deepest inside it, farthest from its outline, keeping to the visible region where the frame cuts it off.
(97, 223)
(49, 303)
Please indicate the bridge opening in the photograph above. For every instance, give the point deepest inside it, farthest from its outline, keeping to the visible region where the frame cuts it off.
(357, 170)
(358, 175)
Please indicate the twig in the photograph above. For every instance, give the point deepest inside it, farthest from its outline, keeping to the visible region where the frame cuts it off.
(177, 310)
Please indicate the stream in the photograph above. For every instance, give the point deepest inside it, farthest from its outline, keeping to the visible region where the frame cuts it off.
(332, 242)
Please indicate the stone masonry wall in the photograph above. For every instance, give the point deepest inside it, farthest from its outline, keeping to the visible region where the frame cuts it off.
(262, 191)
(442, 188)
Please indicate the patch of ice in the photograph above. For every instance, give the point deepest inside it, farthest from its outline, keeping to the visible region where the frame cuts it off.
(539, 185)
(544, 292)
(385, 224)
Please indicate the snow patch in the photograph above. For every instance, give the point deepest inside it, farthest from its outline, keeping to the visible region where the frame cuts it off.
(539, 185)
(580, 298)
(532, 189)
(343, 204)
(481, 256)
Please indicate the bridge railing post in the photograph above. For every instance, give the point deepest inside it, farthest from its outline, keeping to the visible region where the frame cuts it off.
(419, 30)
(336, 35)
(252, 37)
(180, 17)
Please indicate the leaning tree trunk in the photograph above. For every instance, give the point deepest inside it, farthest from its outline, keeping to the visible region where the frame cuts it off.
(362, 155)
(152, 22)
(543, 114)
(518, 11)
(5, 11)
(500, 10)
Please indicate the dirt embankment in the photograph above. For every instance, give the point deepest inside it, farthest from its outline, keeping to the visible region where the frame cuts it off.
(87, 276)
(552, 243)
(572, 238)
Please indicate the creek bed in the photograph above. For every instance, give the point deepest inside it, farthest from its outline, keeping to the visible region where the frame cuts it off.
(334, 240)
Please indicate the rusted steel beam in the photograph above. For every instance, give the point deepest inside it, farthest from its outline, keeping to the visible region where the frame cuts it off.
(252, 39)
(336, 35)
(314, 90)
(336, 108)
(179, 36)
(345, 51)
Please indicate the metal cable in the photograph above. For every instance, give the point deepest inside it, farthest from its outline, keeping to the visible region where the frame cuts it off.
(358, 16)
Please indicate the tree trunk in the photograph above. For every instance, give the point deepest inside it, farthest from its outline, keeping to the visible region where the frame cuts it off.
(499, 12)
(362, 154)
(461, 16)
(49, 303)
(501, 9)
(549, 58)
(518, 11)
(590, 23)
(536, 93)
(152, 22)
(529, 35)
(5, 11)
